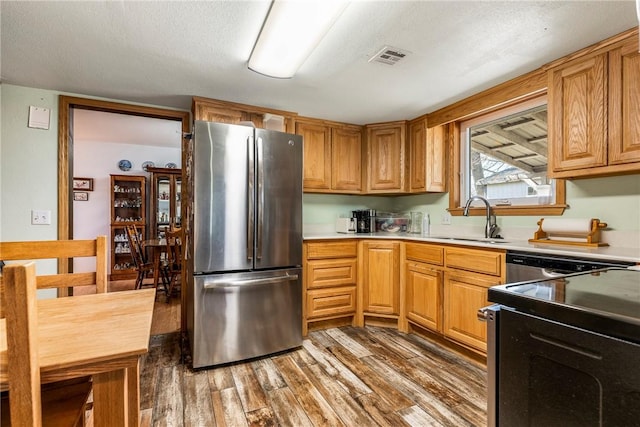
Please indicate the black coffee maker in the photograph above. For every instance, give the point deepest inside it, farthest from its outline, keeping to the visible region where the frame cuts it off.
(364, 220)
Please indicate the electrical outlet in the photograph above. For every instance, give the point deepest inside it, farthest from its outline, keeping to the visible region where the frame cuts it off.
(446, 219)
(40, 217)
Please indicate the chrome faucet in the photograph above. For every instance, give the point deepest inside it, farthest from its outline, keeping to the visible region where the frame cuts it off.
(491, 226)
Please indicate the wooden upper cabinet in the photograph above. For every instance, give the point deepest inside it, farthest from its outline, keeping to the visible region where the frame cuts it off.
(436, 159)
(427, 148)
(578, 114)
(418, 155)
(346, 159)
(624, 103)
(214, 114)
(213, 110)
(332, 156)
(594, 112)
(386, 156)
(317, 155)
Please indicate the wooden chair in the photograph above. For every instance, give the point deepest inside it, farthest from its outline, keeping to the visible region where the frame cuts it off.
(27, 406)
(143, 266)
(173, 264)
(61, 249)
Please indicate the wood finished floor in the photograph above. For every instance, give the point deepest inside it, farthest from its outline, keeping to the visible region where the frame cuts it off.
(339, 377)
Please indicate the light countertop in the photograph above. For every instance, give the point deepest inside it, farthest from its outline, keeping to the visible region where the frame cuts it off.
(603, 253)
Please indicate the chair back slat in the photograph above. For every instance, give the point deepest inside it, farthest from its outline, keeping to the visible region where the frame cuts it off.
(174, 247)
(22, 344)
(62, 249)
(135, 245)
(69, 279)
(173, 268)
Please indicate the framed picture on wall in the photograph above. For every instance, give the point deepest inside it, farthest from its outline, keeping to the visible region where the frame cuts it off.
(85, 184)
(80, 196)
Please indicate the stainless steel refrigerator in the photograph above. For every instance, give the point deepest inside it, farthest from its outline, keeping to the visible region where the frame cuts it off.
(246, 295)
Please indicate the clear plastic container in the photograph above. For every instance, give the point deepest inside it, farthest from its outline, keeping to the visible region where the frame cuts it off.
(392, 222)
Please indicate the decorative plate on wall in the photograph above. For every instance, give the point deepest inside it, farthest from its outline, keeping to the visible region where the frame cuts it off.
(124, 165)
(171, 165)
(147, 164)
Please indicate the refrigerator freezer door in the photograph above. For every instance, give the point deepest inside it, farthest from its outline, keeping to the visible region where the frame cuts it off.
(223, 197)
(244, 315)
(278, 199)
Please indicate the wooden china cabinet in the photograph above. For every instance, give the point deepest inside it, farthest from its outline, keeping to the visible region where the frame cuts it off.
(128, 206)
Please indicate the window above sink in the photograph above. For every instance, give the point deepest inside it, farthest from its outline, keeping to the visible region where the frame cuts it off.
(503, 157)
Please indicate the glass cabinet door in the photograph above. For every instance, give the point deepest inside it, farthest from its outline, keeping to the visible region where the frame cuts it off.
(177, 213)
(163, 201)
(166, 190)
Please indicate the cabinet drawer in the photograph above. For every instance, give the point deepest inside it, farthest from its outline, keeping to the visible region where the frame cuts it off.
(421, 252)
(328, 273)
(340, 249)
(331, 301)
(479, 261)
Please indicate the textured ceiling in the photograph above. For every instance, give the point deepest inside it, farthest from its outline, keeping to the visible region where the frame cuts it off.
(162, 53)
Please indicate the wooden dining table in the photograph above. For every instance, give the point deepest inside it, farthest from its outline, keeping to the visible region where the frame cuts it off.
(102, 335)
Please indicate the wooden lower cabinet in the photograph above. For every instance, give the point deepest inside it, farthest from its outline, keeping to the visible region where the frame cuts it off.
(423, 295)
(464, 294)
(330, 278)
(381, 277)
(435, 288)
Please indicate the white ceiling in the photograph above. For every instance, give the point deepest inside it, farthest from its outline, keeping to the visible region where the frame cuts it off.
(162, 53)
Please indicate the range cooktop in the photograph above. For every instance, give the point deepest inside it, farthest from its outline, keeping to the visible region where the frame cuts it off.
(604, 301)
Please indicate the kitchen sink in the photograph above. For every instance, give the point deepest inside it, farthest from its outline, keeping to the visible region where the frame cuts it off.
(469, 239)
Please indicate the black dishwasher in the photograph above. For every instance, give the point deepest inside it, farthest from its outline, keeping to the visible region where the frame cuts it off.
(525, 266)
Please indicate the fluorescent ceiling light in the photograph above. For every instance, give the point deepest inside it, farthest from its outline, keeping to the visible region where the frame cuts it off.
(292, 30)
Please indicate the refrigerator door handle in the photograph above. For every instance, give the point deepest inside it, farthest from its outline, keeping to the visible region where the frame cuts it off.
(250, 198)
(260, 198)
(226, 283)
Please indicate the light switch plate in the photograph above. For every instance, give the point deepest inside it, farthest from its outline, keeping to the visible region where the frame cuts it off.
(39, 117)
(40, 217)
(446, 219)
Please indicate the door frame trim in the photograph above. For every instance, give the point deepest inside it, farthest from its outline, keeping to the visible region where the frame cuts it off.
(65, 149)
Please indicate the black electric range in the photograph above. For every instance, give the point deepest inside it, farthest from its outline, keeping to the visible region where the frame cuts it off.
(605, 301)
(565, 351)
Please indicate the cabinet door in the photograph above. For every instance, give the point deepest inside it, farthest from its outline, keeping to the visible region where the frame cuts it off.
(219, 114)
(210, 113)
(423, 295)
(436, 159)
(317, 156)
(427, 158)
(346, 150)
(464, 294)
(386, 158)
(418, 156)
(624, 104)
(578, 114)
(381, 277)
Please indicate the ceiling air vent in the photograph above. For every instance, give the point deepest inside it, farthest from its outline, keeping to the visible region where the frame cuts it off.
(389, 55)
